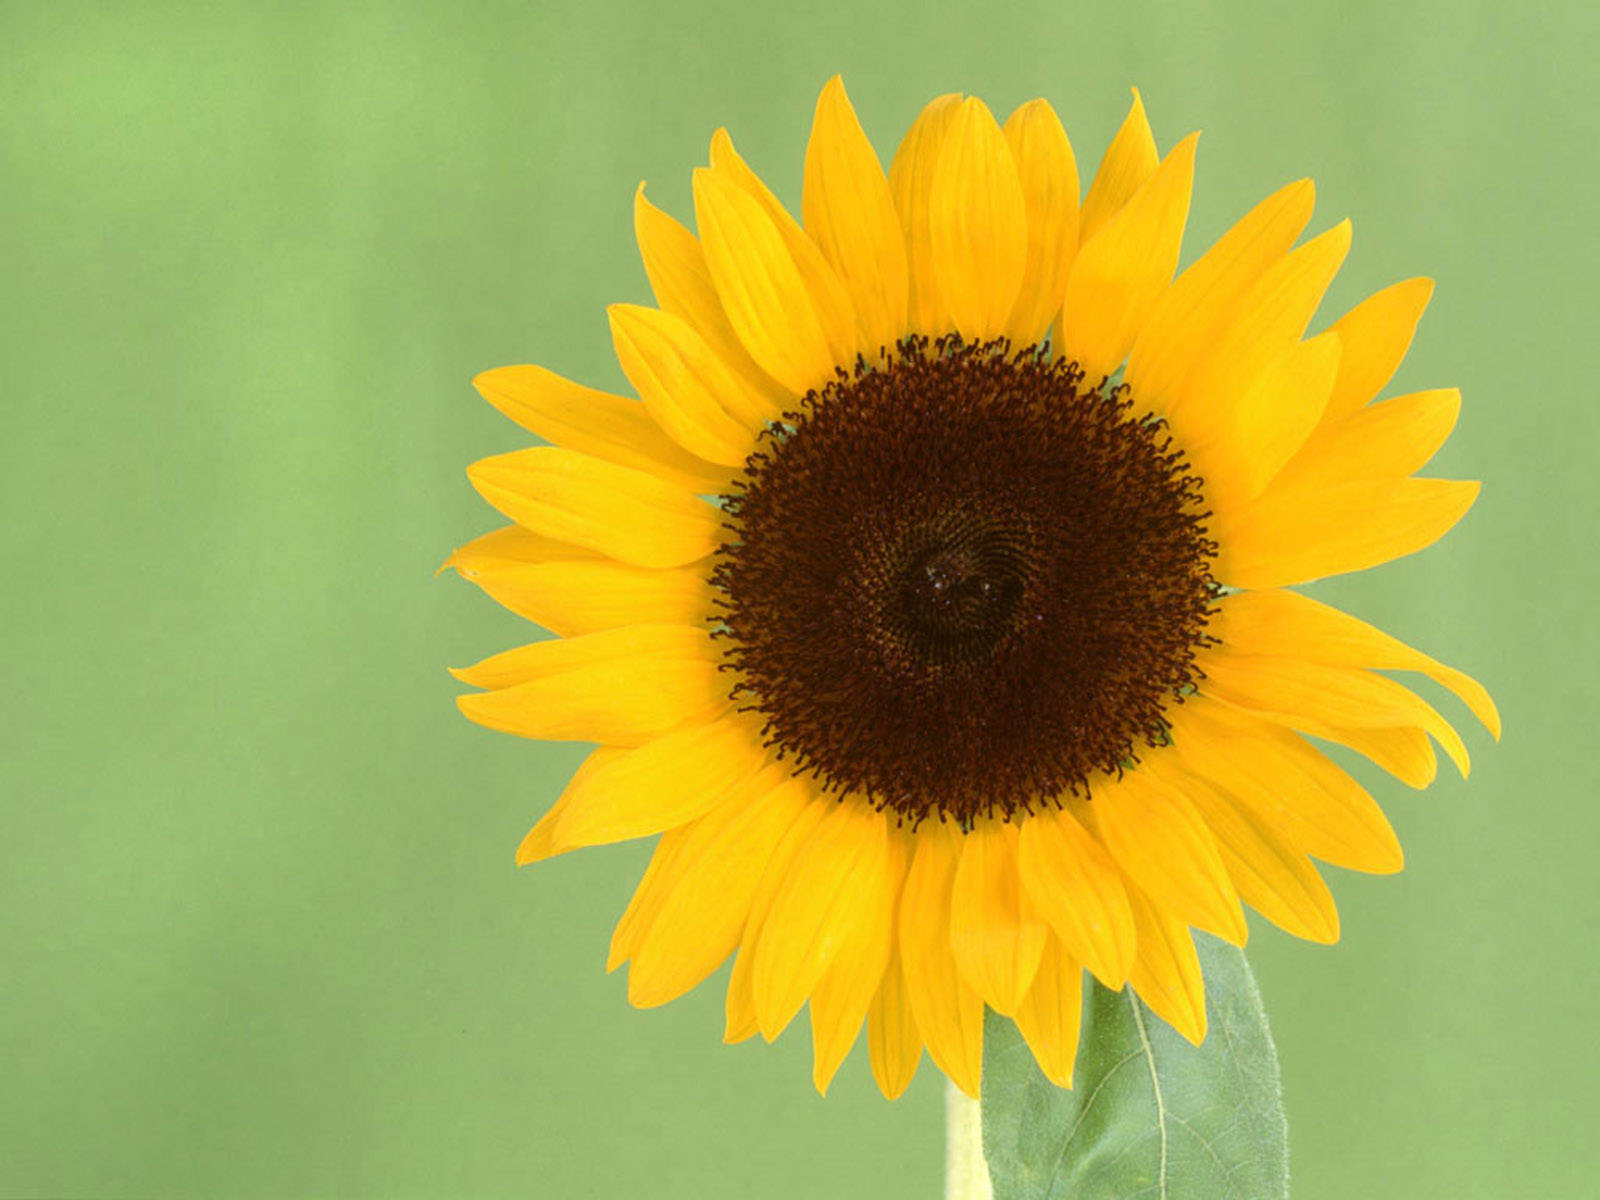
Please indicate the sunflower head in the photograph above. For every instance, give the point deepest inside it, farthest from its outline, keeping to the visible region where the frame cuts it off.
(931, 601)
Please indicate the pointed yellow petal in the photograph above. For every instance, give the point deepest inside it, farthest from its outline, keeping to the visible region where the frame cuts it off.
(1296, 534)
(1287, 781)
(1048, 173)
(1404, 752)
(1270, 317)
(845, 992)
(1386, 440)
(1121, 272)
(1283, 624)
(622, 687)
(540, 842)
(1078, 890)
(609, 427)
(741, 1008)
(701, 919)
(892, 1038)
(1376, 334)
(978, 223)
(1311, 697)
(829, 298)
(1271, 873)
(1246, 442)
(1190, 317)
(760, 286)
(620, 512)
(911, 182)
(1166, 975)
(1158, 839)
(662, 784)
(1129, 162)
(571, 596)
(949, 1013)
(681, 281)
(1049, 1016)
(837, 878)
(849, 212)
(995, 934)
(667, 864)
(686, 388)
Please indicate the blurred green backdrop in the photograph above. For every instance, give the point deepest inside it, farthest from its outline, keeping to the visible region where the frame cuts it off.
(259, 926)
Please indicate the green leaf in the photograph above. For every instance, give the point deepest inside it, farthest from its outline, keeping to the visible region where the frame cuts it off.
(1149, 1115)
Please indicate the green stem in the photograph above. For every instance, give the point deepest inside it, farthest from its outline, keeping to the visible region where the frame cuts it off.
(966, 1173)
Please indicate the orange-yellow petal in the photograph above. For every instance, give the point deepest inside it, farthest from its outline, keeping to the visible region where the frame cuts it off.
(1387, 440)
(1293, 535)
(613, 428)
(1048, 173)
(622, 687)
(1376, 334)
(676, 266)
(1189, 318)
(849, 212)
(948, 1012)
(978, 223)
(1049, 1017)
(1162, 844)
(1282, 624)
(893, 1042)
(995, 933)
(1166, 975)
(1078, 890)
(1121, 271)
(620, 512)
(1129, 162)
(540, 842)
(911, 183)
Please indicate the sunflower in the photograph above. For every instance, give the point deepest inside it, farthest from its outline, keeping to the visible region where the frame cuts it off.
(931, 604)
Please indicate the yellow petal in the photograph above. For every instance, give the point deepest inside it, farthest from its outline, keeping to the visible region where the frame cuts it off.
(1387, 440)
(1283, 624)
(1312, 696)
(622, 687)
(838, 875)
(1078, 890)
(1189, 318)
(681, 281)
(849, 213)
(666, 866)
(1048, 173)
(1121, 272)
(702, 917)
(1376, 334)
(829, 299)
(1404, 752)
(620, 512)
(1270, 872)
(1158, 839)
(570, 590)
(760, 286)
(978, 223)
(911, 182)
(741, 1007)
(609, 427)
(1129, 162)
(949, 1013)
(1166, 975)
(1049, 1016)
(995, 933)
(662, 784)
(540, 842)
(1271, 316)
(1326, 813)
(892, 1038)
(686, 388)
(1246, 442)
(845, 992)
(1296, 534)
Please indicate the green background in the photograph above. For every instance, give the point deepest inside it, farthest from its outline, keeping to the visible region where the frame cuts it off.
(259, 925)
